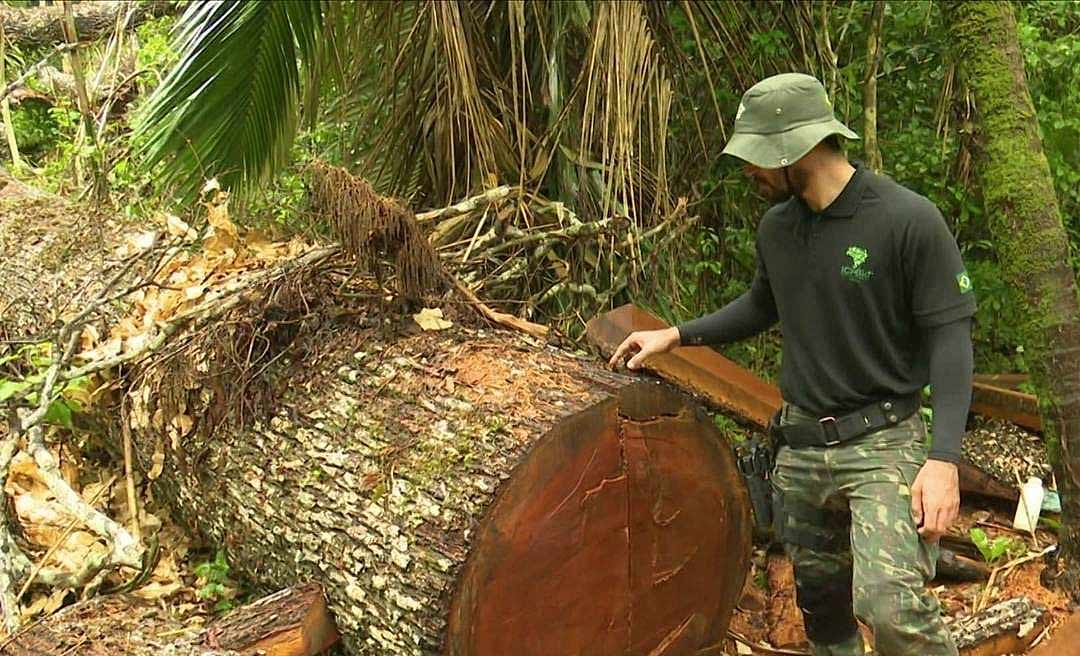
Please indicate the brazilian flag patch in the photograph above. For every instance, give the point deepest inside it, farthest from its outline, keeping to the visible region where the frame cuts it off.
(963, 280)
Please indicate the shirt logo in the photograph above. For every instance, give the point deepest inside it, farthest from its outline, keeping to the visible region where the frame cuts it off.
(855, 272)
(963, 280)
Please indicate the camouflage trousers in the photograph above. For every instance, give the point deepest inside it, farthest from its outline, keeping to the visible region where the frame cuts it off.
(844, 515)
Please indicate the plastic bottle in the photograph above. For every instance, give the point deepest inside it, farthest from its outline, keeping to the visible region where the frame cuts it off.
(1027, 509)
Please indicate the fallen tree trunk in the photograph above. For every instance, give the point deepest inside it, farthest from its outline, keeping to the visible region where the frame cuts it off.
(529, 496)
(41, 27)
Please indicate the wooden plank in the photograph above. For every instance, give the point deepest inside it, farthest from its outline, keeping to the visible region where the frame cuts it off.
(698, 369)
(1011, 405)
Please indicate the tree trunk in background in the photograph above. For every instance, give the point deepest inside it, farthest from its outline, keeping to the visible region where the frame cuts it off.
(41, 27)
(873, 56)
(1025, 220)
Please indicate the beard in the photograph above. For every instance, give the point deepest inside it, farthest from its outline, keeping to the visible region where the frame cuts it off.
(772, 192)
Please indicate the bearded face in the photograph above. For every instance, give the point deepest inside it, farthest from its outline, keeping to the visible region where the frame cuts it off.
(772, 184)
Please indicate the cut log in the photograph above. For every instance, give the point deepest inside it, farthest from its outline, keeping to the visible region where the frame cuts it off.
(434, 471)
(292, 622)
(698, 369)
(1004, 628)
(379, 478)
(30, 28)
(603, 532)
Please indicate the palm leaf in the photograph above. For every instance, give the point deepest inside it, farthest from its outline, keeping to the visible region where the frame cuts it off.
(230, 108)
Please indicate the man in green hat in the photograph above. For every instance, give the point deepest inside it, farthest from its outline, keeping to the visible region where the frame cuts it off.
(873, 302)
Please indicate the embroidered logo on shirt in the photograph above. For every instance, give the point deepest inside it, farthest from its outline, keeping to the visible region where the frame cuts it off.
(856, 272)
(964, 281)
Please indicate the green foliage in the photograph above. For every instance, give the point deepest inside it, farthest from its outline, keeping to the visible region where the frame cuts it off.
(728, 427)
(997, 333)
(36, 128)
(214, 583)
(394, 108)
(994, 550)
(231, 106)
(155, 51)
(23, 370)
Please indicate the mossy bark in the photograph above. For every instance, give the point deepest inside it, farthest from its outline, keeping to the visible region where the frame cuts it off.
(1025, 220)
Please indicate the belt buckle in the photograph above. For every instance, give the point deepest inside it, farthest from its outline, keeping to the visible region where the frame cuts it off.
(826, 424)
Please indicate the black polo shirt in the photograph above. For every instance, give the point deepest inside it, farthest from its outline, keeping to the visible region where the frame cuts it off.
(853, 286)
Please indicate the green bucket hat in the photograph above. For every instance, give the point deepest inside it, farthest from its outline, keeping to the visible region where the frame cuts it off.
(780, 119)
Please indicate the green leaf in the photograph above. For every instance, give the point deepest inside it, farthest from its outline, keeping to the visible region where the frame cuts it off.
(59, 412)
(9, 388)
(230, 108)
(982, 542)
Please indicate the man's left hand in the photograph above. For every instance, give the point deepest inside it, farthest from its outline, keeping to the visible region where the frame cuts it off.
(935, 498)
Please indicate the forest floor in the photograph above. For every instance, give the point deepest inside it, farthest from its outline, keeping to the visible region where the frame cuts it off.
(768, 615)
(174, 603)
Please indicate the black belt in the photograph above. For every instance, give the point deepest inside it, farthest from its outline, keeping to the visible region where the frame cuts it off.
(830, 431)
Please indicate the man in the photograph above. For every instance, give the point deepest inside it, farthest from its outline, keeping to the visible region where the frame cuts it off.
(873, 303)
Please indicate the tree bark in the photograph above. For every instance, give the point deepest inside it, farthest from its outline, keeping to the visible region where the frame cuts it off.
(41, 27)
(873, 56)
(1025, 220)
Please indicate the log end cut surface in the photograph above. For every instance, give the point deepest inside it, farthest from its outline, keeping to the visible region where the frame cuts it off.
(625, 531)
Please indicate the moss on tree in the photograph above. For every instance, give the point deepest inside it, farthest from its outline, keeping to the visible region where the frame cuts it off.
(1025, 219)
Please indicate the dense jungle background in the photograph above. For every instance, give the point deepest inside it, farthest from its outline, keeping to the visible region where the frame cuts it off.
(561, 159)
(401, 95)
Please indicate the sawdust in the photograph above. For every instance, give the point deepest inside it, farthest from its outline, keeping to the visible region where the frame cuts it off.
(491, 371)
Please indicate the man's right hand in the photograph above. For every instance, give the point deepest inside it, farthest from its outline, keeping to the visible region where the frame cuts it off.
(642, 344)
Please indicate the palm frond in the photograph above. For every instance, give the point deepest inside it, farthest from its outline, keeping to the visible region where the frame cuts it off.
(230, 107)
